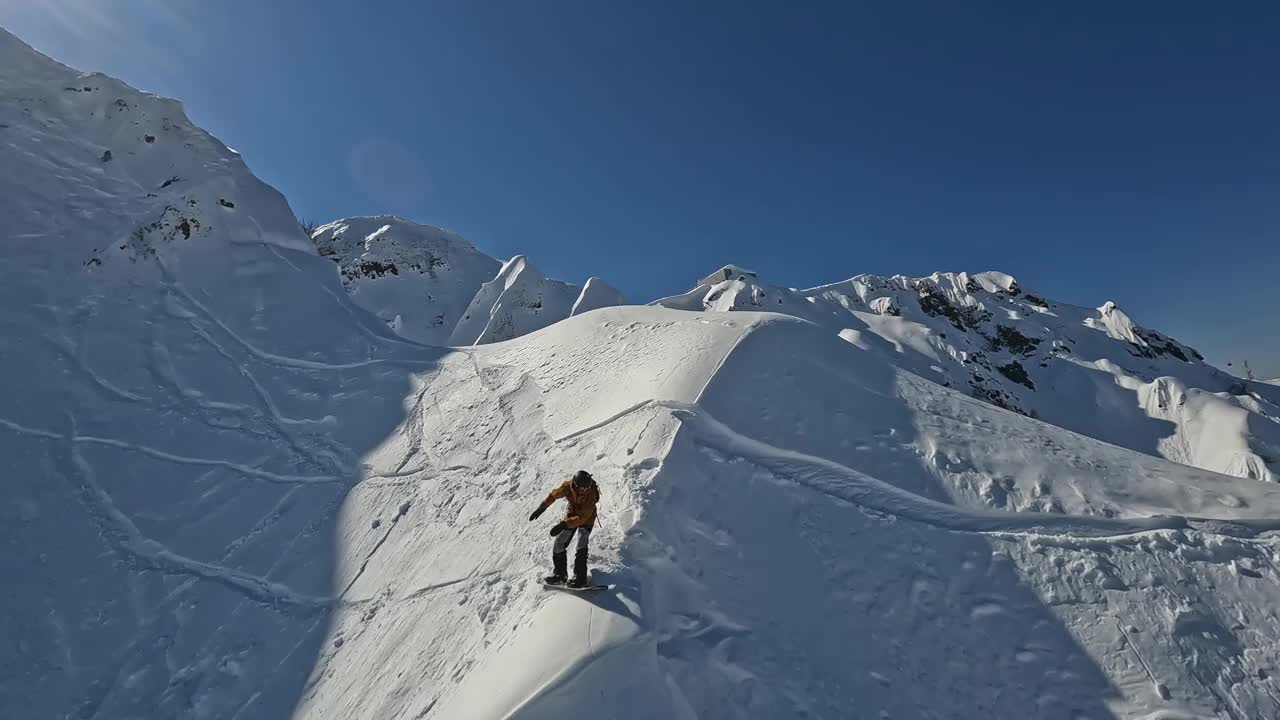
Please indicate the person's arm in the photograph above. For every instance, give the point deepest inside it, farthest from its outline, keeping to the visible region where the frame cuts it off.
(552, 496)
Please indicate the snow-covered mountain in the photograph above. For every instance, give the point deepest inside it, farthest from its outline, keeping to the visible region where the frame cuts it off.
(596, 294)
(120, 174)
(232, 492)
(417, 278)
(1094, 371)
(516, 302)
(186, 400)
(432, 286)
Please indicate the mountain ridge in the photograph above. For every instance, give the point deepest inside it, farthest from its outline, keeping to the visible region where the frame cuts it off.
(433, 286)
(234, 491)
(1091, 370)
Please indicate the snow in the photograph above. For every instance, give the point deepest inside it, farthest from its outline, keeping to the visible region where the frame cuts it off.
(433, 287)
(516, 302)
(233, 491)
(596, 294)
(419, 279)
(1093, 371)
(87, 138)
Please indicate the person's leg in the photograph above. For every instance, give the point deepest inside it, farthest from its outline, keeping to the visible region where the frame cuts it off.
(580, 557)
(559, 556)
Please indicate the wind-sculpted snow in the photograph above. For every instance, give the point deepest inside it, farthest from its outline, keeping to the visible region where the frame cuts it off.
(789, 547)
(596, 294)
(516, 302)
(232, 492)
(822, 510)
(187, 397)
(417, 278)
(1093, 371)
(432, 286)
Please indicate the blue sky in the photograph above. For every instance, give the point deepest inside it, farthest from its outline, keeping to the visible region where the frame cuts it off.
(1097, 151)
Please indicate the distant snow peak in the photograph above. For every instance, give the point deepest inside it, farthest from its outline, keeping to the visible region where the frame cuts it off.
(1116, 323)
(230, 493)
(1094, 371)
(1149, 343)
(729, 272)
(433, 286)
(120, 176)
(518, 301)
(730, 288)
(417, 278)
(596, 294)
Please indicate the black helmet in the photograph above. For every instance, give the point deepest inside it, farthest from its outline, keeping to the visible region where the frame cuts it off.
(582, 478)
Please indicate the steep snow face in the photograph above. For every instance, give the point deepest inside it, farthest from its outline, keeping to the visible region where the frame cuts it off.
(1096, 372)
(450, 597)
(742, 457)
(596, 294)
(419, 279)
(518, 301)
(761, 496)
(232, 492)
(187, 395)
(432, 286)
(116, 174)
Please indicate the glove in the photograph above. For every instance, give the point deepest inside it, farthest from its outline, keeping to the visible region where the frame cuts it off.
(536, 513)
(558, 528)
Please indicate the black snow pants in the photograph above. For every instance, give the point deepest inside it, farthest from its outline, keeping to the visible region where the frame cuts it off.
(560, 549)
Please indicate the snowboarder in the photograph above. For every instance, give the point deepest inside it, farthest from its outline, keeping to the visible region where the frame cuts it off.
(582, 493)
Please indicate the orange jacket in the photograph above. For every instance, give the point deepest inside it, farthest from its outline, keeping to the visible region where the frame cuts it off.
(582, 503)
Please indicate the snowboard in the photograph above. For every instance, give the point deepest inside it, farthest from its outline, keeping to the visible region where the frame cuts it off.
(566, 588)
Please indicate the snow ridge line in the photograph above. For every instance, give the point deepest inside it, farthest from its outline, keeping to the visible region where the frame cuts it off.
(125, 538)
(750, 329)
(179, 459)
(844, 483)
(838, 481)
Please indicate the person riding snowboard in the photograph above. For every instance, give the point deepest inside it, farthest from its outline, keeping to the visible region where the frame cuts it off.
(582, 493)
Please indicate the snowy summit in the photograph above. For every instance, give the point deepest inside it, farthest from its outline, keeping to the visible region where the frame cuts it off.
(432, 286)
(252, 474)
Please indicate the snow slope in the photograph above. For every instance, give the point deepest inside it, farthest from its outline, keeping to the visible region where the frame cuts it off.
(234, 493)
(187, 395)
(794, 528)
(516, 302)
(120, 172)
(596, 294)
(1093, 371)
(417, 278)
(432, 286)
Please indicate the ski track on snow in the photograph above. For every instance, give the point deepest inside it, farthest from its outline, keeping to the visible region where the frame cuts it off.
(361, 322)
(179, 459)
(279, 360)
(125, 537)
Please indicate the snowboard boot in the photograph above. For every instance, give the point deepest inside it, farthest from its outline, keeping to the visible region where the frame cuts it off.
(579, 569)
(559, 572)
